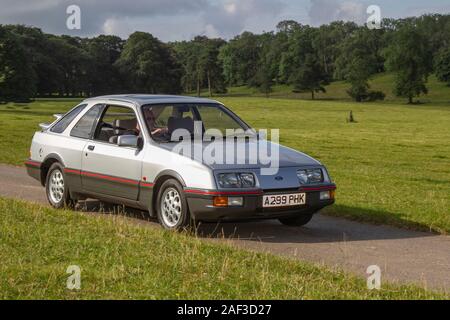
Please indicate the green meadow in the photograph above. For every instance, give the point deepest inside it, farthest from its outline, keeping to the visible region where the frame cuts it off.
(392, 166)
(123, 260)
(439, 92)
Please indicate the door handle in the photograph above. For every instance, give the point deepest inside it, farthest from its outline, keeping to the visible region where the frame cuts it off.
(91, 148)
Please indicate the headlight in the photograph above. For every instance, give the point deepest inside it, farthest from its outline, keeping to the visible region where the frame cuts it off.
(247, 180)
(236, 180)
(229, 180)
(310, 176)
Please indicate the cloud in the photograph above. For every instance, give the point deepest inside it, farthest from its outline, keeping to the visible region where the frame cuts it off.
(325, 11)
(420, 10)
(176, 28)
(211, 32)
(170, 20)
(96, 15)
(231, 17)
(113, 26)
(183, 19)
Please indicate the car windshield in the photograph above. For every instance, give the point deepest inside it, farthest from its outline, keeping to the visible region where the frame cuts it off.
(163, 120)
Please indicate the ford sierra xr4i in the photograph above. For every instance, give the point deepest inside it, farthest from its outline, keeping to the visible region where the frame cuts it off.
(123, 149)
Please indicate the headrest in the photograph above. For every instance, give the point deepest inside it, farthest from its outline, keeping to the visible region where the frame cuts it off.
(129, 124)
(180, 123)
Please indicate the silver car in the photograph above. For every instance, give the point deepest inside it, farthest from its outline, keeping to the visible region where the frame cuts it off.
(121, 149)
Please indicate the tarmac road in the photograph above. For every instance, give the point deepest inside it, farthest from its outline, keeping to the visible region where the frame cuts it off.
(404, 256)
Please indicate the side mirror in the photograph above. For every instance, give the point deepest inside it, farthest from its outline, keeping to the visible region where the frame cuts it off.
(128, 141)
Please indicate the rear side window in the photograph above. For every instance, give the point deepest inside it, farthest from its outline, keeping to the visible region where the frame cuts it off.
(65, 121)
(84, 127)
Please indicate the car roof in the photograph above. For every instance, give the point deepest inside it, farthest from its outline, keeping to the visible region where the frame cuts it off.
(143, 99)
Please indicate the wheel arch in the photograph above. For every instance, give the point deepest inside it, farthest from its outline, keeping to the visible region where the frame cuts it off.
(159, 180)
(50, 159)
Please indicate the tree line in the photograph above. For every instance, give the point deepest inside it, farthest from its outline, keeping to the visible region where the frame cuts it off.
(36, 64)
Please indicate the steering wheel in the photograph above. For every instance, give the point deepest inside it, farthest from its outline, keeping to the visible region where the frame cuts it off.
(106, 125)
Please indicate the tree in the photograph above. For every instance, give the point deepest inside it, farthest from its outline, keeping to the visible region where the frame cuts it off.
(301, 64)
(240, 57)
(149, 65)
(287, 26)
(436, 27)
(327, 41)
(357, 61)
(214, 70)
(184, 56)
(263, 80)
(310, 76)
(409, 58)
(17, 77)
(305, 57)
(201, 65)
(74, 62)
(442, 65)
(48, 71)
(272, 46)
(103, 75)
(208, 63)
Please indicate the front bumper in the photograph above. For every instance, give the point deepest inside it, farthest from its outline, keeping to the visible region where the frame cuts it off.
(202, 209)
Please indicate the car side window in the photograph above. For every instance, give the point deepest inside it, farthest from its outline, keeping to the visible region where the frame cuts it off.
(84, 127)
(67, 119)
(115, 122)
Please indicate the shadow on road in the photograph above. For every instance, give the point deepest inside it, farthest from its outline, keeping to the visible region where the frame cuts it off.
(321, 229)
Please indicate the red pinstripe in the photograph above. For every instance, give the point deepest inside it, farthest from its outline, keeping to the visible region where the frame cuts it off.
(223, 193)
(110, 178)
(72, 171)
(32, 163)
(191, 191)
(324, 188)
(106, 177)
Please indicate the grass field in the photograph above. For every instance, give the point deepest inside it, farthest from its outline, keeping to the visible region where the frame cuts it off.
(392, 166)
(439, 92)
(18, 122)
(123, 260)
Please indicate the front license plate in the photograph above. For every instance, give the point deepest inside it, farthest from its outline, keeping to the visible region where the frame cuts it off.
(284, 200)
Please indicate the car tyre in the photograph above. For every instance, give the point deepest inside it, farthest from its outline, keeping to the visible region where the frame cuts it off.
(171, 207)
(58, 194)
(299, 221)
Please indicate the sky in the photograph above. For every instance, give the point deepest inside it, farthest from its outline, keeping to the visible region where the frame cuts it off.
(172, 20)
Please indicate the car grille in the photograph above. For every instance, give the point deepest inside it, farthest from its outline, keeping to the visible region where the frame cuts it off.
(275, 191)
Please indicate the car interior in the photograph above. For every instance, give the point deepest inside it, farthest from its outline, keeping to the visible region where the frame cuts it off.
(162, 121)
(116, 122)
(181, 118)
(186, 123)
(123, 127)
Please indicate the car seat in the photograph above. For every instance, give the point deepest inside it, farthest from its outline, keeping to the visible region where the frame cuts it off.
(180, 123)
(123, 127)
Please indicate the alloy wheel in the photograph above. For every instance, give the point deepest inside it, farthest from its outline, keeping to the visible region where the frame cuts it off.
(171, 207)
(56, 186)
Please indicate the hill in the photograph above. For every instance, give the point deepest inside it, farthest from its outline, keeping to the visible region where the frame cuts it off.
(439, 92)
